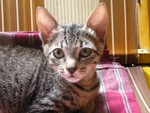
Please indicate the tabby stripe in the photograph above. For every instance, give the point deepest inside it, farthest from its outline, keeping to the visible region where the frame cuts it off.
(95, 87)
(59, 104)
(20, 94)
(61, 44)
(89, 60)
(78, 35)
(66, 41)
(4, 105)
(48, 55)
(96, 52)
(46, 105)
(72, 89)
(79, 87)
(65, 97)
(44, 84)
(66, 107)
(32, 82)
(76, 42)
(81, 43)
(16, 78)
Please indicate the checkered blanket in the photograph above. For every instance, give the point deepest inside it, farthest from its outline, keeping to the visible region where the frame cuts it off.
(115, 94)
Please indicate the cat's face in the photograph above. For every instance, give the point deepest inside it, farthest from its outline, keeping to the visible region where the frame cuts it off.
(73, 51)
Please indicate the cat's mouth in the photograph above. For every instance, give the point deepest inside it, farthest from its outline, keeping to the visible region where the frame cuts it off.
(72, 77)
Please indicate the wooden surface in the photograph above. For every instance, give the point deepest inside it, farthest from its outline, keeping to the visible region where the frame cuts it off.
(140, 88)
(18, 15)
(146, 70)
(144, 26)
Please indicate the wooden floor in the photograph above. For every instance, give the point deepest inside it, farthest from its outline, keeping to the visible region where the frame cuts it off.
(142, 92)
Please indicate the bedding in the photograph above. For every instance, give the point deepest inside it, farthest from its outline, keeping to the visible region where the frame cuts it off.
(115, 94)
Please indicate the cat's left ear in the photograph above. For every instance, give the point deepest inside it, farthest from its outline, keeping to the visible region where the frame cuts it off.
(46, 24)
(98, 20)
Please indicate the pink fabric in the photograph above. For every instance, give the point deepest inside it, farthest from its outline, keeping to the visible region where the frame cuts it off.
(116, 94)
(30, 39)
(26, 39)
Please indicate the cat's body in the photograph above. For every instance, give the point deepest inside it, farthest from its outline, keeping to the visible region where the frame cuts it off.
(28, 81)
(63, 79)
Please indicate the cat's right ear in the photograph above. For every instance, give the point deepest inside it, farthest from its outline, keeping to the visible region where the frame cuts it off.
(46, 24)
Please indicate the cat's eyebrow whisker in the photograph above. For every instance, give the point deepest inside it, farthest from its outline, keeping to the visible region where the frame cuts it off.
(61, 71)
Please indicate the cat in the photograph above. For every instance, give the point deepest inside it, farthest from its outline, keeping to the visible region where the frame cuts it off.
(61, 78)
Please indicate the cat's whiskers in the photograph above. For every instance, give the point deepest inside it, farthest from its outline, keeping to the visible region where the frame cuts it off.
(53, 72)
(61, 71)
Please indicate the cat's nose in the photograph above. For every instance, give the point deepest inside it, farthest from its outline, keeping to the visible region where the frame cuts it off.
(71, 70)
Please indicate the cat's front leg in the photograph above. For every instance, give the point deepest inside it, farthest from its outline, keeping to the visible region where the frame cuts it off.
(90, 107)
(41, 111)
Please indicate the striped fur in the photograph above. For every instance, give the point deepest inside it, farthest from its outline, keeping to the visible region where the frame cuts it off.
(63, 79)
(29, 85)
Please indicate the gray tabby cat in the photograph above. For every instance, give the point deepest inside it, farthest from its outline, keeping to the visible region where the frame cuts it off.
(63, 79)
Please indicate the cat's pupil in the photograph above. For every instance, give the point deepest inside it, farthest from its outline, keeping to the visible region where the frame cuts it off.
(85, 52)
(58, 53)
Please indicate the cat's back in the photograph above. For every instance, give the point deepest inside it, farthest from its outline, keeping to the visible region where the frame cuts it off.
(19, 69)
(19, 59)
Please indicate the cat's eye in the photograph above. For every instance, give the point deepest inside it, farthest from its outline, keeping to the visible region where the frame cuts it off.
(85, 52)
(58, 53)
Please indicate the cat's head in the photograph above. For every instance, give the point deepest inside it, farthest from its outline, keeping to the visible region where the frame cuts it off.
(73, 50)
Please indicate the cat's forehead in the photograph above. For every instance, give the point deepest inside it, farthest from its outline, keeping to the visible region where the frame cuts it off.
(72, 38)
(74, 35)
(72, 28)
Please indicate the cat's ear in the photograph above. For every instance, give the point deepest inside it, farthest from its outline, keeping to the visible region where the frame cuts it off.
(46, 24)
(98, 20)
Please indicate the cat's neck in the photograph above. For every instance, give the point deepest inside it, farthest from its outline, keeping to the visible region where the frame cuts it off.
(89, 81)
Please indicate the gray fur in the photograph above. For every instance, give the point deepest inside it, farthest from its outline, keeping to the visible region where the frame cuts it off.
(28, 84)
